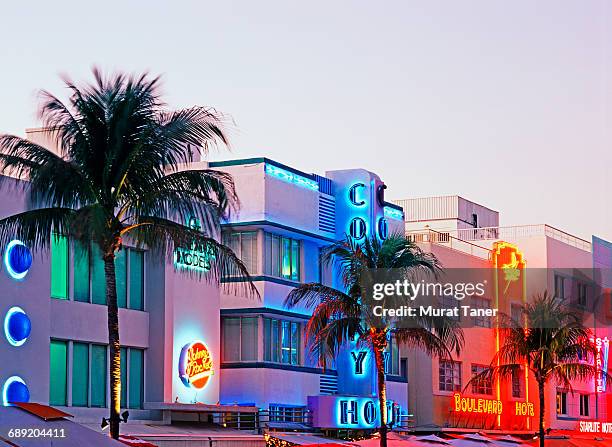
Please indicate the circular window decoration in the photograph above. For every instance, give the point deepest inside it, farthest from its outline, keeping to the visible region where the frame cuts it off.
(17, 259)
(17, 326)
(195, 366)
(15, 390)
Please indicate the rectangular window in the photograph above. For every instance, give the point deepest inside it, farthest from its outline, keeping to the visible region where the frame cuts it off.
(392, 360)
(59, 267)
(80, 374)
(248, 339)
(244, 245)
(561, 403)
(98, 376)
(483, 385)
(136, 380)
(517, 390)
(481, 303)
(136, 279)
(124, 370)
(559, 286)
(82, 272)
(449, 376)
(58, 374)
(282, 257)
(583, 292)
(282, 341)
(282, 413)
(90, 278)
(584, 405)
(231, 339)
(516, 313)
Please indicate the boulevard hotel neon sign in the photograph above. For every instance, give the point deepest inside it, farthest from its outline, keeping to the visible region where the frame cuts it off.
(476, 405)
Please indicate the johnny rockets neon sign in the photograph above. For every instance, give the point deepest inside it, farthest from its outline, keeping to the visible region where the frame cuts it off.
(602, 348)
(195, 366)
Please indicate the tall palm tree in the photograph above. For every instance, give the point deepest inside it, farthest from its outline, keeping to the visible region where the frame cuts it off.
(551, 342)
(121, 172)
(342, 316)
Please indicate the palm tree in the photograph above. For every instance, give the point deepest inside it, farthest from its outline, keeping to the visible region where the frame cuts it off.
(342, 316)
(551, 342)
(121, 172)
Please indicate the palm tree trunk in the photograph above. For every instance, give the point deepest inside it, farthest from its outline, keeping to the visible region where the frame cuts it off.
(113, 341)
(382, 391)
(541, 424)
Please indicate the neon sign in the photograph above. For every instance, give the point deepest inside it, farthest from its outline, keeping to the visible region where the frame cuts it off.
(393, 213)
(17, 259)
(195, 366)
(602, 348)
(290, 177)
(191, 259)
(477, 405)
(594, 427)
(523, 409)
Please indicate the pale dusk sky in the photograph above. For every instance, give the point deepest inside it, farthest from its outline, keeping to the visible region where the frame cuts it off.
(508, 104)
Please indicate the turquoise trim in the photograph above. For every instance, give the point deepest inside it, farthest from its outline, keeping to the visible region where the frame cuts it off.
(256, 160)
(263, 310)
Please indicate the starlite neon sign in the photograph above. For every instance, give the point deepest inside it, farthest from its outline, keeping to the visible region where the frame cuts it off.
(290, 177)
(602, 348)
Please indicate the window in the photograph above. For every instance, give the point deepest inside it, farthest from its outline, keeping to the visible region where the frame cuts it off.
(98, 376)
(516, 384)
(135, 384)
(80, 374)
(59, 267)
(392, 360)
(240, 336)
(516, 313)
(282, 341)
(404, 368)
(282, 257)
(584, 405)
(481, 303)
(561, 402)
(287, 413)
(450, 375)
(583, 292)
(559, 286)
(483, 385)
(244, 245)
(450, 302)
(58, 372)
(90, 280)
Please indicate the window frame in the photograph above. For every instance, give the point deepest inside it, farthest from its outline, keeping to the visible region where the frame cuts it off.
(455, 369)
(483, 386)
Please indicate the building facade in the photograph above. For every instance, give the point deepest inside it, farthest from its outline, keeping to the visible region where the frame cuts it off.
(193, 349)
(549, 259)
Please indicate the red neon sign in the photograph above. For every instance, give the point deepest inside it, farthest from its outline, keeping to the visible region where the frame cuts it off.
(602, 347)
(195, 365)
(477, 405)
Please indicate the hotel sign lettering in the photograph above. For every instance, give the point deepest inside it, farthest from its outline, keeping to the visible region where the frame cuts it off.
(477, 405)
(594, 427)
(484, 406)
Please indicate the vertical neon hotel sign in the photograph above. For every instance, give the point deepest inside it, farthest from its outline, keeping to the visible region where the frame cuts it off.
(358, 227)
(602, 348)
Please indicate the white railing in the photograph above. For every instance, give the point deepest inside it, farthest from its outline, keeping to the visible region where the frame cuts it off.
(513, 233)
(446, 239)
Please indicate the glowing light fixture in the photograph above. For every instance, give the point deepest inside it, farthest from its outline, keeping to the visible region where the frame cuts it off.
(393, 213)
(17, 326)
(14, 390)
(17, 259)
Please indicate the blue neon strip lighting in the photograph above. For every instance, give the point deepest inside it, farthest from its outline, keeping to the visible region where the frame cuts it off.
(392, 213)
(290, 177)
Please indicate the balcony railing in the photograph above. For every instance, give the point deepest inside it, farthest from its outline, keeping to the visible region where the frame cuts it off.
(466, 240)
(446, 239)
